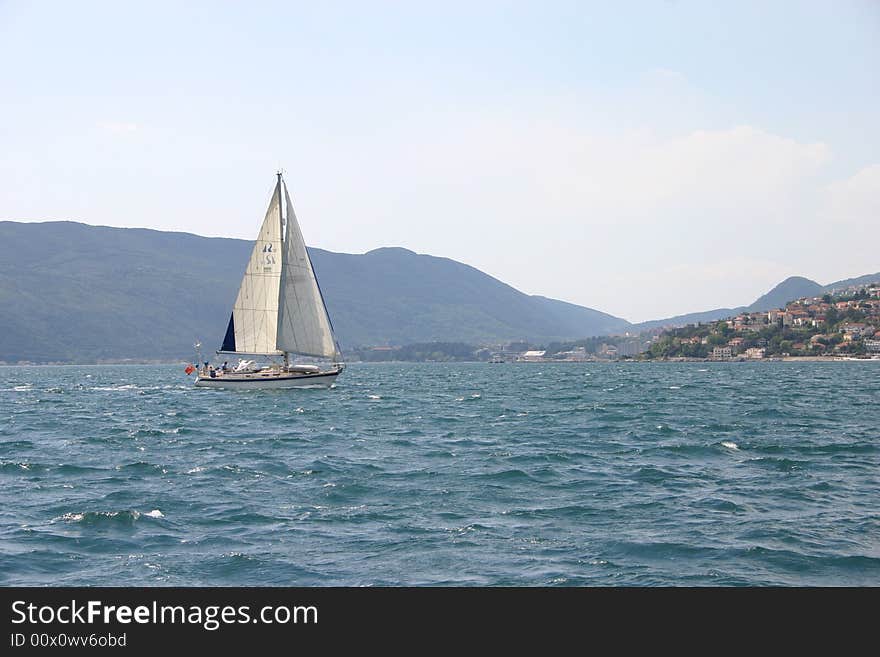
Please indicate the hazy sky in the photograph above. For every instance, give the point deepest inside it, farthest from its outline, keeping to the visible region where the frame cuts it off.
(645, 158)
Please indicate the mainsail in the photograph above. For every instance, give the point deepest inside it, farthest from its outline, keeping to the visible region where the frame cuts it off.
(253, 325)
(279, 308)
(303, 324)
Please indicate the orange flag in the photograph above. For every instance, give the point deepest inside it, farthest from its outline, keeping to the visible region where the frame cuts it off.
(189, 370)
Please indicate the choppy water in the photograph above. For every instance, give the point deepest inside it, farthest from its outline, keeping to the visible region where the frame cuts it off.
(470, 474)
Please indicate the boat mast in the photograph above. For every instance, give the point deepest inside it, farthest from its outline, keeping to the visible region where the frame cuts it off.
(281, 220)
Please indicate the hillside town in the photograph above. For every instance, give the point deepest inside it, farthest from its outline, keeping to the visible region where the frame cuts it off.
(842, 325)
(846, 324)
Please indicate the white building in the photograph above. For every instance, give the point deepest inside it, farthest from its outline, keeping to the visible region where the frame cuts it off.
(578, 354)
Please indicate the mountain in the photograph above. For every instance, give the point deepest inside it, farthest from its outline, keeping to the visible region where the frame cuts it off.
(569, 317)
(790, 289)
(395, 296)
(852, 282)
(73, 292)
(70, 292)
(690, 318)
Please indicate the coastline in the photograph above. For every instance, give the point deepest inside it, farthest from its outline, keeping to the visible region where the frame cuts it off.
(771, 359)
(780, 359)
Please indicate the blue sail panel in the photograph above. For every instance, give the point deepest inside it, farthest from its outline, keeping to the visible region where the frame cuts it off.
(229, 340)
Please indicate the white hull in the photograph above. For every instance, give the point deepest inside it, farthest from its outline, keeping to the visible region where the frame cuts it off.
(274, 381)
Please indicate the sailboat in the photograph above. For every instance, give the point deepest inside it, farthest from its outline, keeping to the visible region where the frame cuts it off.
(279, 314)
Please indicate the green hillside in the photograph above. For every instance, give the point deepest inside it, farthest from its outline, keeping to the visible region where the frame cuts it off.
(394, 296)
(794, 287)
(76, 293)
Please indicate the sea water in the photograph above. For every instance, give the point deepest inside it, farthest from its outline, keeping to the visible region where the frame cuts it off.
(445, 474)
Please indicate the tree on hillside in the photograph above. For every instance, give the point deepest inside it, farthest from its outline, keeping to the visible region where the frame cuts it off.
(832, 317)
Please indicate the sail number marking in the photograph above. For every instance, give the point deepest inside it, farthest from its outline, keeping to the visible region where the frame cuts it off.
(270, 257)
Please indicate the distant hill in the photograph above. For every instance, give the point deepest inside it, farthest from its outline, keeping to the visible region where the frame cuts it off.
(395, 296)
(788, 290)
(850, 282)
(571, 316)
(689, 318)
(72, 292)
